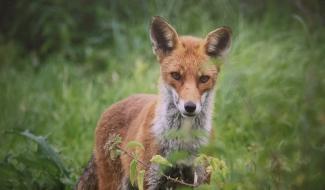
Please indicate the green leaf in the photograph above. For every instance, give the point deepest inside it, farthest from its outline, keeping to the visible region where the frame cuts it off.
(134, 144)
(214, 162)
(157, 159)
(201, 160)
(133, 171)
(115, 153)
(47, 150)
(140, 179)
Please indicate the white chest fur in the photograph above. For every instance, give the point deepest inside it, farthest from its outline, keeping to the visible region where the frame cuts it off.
(192, 132)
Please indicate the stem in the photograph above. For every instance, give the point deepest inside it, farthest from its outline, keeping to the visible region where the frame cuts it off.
(147, 167)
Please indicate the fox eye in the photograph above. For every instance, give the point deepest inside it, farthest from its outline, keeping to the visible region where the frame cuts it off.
(176, 75)
(204, 78)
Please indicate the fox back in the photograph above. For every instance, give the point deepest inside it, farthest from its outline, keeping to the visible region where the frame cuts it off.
(188, 73)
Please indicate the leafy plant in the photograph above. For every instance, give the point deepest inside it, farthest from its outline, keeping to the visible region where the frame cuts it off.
(157, 159)
(214, 166)
(37, 168)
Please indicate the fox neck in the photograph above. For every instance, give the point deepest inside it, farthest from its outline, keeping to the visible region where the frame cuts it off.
(168, 119)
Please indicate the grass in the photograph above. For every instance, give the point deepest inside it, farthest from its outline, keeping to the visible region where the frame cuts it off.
(269, 107)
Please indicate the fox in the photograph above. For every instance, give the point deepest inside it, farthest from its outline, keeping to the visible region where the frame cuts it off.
(188, 76)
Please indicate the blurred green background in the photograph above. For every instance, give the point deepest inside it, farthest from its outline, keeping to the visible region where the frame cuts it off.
(63, 62)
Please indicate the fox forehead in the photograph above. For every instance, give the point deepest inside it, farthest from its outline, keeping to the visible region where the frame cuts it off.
(189, 57)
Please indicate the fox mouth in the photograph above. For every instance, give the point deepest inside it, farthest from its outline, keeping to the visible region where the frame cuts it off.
(188, 114)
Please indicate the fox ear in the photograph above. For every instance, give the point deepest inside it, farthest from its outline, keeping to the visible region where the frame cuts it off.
(163, 36)
(218, 42)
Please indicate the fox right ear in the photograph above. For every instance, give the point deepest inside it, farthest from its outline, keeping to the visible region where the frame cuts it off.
(218, 42)
(163, 36)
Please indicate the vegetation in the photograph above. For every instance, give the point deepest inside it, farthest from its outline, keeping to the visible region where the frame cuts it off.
(63, 62)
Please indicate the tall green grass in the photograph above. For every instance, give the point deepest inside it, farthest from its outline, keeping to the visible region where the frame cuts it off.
(269, 106)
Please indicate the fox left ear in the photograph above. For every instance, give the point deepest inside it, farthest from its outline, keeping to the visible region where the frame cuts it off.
(218, 42)
(163, 36)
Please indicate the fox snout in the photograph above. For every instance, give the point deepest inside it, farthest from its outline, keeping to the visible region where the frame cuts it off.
(189, 108)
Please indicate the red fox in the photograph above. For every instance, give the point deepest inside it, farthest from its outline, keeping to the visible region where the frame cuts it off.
(185, 101)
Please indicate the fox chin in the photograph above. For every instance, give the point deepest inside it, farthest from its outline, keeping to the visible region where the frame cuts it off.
(188, 75)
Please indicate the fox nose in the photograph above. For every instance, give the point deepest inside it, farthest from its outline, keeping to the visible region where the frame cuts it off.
(190, 107)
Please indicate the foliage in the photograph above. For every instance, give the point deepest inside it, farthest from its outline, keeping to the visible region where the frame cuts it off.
(111, 146)
(133, 171)
(157, 159)
(134, 145)
(214, 167)
(136, 173)
(40, 167)
(62, 63)
(140, 179)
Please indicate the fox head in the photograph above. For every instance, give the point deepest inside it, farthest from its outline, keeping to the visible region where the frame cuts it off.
(187, 63)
